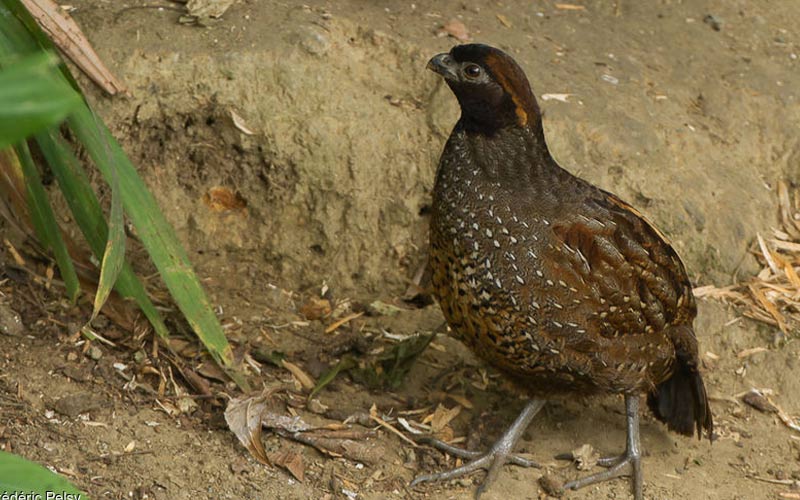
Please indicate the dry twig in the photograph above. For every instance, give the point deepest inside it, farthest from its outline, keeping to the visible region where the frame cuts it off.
(773, 295)
(68, 37)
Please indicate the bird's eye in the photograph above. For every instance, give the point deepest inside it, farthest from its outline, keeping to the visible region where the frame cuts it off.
(472, 71)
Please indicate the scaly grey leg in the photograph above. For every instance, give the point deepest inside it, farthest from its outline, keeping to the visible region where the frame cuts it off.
(492, 460)
(629, 464)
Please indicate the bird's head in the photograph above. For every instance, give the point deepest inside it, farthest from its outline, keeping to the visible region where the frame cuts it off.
(490, 86)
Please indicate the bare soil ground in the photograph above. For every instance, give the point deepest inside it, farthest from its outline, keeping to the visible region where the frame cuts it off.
(689, 110)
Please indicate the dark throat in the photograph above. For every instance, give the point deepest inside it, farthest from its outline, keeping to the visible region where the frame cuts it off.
(513, 156)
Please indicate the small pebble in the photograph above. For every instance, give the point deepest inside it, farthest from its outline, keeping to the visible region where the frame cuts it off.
(610, 79)
(713, 21)
(551, 485)
(76, 404)
(94, 353)
(10, 322)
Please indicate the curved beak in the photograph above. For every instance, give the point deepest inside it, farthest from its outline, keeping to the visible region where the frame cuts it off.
(444, 65)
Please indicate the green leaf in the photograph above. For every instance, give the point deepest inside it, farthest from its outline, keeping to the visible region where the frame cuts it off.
(33, 96)
(346, 363)
(44, 222)
(18, 26)
(20, 475)
(20, 33)
(157, 236)
(85, 208)
(114, 254)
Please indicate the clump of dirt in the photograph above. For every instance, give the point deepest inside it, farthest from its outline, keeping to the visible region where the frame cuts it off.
(293, 147)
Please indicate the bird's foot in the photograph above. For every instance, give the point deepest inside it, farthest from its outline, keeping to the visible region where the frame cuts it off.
(492, 461)
(628, 464)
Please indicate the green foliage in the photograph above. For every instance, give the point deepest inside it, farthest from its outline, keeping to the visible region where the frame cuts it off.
(33, 96)
(44, 221)
(22, 476)
(88, 215)
(45, 99)
(387, 370)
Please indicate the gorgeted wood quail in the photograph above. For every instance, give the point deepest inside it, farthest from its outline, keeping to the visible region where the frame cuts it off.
(562, 286)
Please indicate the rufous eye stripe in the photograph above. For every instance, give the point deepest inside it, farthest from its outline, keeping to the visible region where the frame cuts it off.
(500, 68)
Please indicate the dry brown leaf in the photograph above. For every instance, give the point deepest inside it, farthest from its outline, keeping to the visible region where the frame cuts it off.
(247, 416)
(222, 199)
(749, 352)
(466, 403)
(759, 315)
(569, 6)
(788, 246)
(315, 309)
(373, 415)
(68, 37)
(182, 347)
(446, 434)
(442, 416)
(304, 378)
(18, 259)
(199, 384)
(791, 273)
(767, 253)
(712, 291)
(243, 416)
(212, 371)
(768, 306)
(787, 420)
(585, 457)
(291, 461)
(503, 20)
(240, 124)
(787, 211)
(336, 324)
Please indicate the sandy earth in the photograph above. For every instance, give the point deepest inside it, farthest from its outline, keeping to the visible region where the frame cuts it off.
(692, 124)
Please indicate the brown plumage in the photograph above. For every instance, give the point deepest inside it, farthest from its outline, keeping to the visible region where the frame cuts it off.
(562, 286)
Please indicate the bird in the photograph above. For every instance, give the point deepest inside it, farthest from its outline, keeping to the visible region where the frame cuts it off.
(561, 286)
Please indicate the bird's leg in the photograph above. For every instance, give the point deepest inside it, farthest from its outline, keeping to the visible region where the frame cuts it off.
(629, 464)
(493, 460)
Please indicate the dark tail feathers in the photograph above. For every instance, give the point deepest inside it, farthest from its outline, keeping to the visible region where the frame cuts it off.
(681, 401)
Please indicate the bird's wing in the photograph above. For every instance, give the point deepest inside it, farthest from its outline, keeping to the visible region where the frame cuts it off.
(637, 283)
